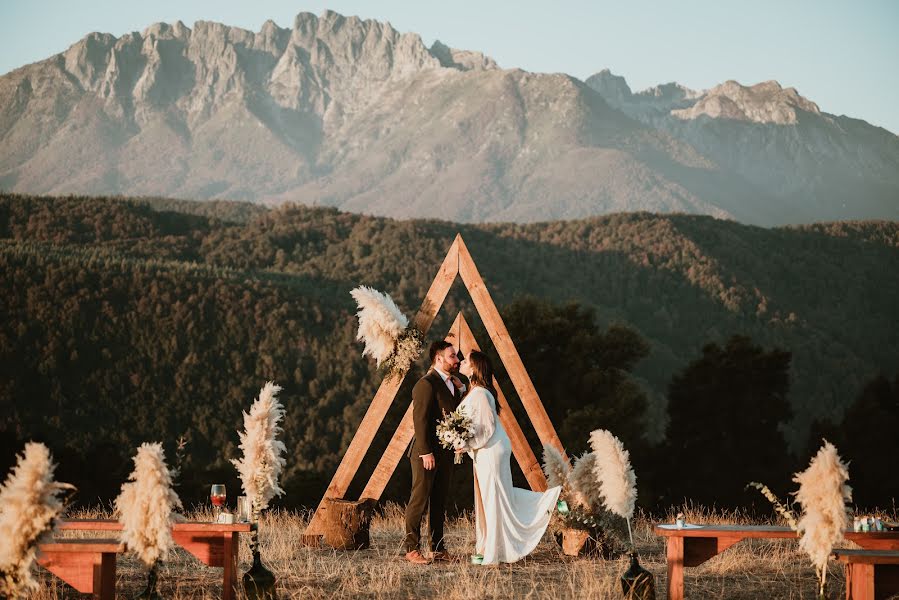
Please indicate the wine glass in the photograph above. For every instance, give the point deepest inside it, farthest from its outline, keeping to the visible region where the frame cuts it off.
(217, 495)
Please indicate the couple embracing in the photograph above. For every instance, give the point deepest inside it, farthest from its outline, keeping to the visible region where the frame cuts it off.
(509, 521)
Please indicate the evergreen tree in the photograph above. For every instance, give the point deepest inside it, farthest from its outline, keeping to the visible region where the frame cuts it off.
(726, 409)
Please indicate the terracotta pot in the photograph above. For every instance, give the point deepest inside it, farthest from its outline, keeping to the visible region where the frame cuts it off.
(577, 542)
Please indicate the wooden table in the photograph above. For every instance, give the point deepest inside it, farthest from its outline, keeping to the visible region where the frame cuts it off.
(870, 574)
(86, 565)
(214, 544)
(694, 544)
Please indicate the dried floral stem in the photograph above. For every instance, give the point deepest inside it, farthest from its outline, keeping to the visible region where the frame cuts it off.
(262, 461)
(779, 508)
(146, 505)
(29, 507)
(823, 495)
(618, 483)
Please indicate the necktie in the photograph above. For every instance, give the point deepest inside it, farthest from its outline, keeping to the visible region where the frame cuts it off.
(449, 384)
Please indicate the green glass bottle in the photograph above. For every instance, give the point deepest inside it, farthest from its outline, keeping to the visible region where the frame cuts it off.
(637, 583)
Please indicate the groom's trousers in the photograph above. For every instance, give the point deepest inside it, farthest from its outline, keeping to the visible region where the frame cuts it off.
(428, 488)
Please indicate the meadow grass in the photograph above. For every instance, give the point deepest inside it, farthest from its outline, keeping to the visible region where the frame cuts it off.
(751, 569)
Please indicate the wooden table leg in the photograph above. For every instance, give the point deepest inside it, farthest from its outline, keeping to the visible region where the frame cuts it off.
(106, 577)
(859, 581)
(675, 556)
(88, 572)
(229, 577)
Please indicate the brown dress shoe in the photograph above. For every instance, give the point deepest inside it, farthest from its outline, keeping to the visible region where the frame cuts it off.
(444, 556)
(416, 558)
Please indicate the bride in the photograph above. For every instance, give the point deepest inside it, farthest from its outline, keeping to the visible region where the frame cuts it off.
(510, 521)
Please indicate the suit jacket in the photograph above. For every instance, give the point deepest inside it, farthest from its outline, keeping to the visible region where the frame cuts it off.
(430, 397)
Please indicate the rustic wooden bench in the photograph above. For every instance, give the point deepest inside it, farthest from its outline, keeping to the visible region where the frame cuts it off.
(214, 544)
(692, 545)
(86, 565)
(870, 574)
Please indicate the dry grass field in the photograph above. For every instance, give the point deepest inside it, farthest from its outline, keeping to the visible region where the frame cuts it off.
(749, 570)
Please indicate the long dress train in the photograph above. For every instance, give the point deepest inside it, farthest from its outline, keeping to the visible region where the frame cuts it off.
(509, 521)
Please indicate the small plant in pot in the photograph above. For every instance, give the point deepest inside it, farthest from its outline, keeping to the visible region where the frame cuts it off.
(583, 526)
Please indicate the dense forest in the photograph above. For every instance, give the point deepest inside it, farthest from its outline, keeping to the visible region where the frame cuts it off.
(133, 320)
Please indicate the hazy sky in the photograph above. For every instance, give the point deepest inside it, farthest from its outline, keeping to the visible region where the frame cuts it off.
(844, 55)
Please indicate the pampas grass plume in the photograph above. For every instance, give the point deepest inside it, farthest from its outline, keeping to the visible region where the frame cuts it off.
(146, 505)
(555, 467)
(618, 484)
(29, 505)
(584, 483)
(380, 322)
(823, 495)
(262, 461)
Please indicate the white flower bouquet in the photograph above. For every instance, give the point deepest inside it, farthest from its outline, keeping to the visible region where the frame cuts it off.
(454, 430)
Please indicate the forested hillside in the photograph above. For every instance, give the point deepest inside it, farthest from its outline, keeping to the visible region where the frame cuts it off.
(125, 321)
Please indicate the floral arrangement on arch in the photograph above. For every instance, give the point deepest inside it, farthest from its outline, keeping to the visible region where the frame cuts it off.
(389, 338)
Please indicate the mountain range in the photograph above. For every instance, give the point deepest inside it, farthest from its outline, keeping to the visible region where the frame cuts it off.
(350, 113)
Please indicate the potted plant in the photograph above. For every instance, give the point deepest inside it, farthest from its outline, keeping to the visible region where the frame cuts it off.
(583, 526)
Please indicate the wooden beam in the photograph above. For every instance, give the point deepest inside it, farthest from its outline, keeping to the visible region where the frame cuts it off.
(531, 468)
(506, 349)
(379, 406)
(391, 457)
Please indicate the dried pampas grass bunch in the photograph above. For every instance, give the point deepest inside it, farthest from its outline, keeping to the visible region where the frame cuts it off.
(617, 481)
(380, 322)
(823, 495)
(584, 484)
(262, 461)
(146, 506)
(29, 507)
(388, 336)
(555, 467)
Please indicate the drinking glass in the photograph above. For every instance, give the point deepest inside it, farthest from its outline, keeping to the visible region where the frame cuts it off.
(217, 495)
(243, 509)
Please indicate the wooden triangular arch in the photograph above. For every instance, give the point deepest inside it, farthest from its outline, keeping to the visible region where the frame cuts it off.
(458, 261)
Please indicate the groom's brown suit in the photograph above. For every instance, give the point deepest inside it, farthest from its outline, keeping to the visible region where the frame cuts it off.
(430, 397)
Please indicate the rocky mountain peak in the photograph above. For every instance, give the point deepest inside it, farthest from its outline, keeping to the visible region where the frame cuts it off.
(613, 88)
(671, 92)
(660, 99)
(464, 60)
(766, 102)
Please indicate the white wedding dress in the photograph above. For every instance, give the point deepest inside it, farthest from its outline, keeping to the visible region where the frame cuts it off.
(509, 521)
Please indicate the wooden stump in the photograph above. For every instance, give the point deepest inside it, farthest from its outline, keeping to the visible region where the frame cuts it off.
(345, 523)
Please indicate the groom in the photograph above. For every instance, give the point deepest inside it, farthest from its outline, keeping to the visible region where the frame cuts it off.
(432, 465)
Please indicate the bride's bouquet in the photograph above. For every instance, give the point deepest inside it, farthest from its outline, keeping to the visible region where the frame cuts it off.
(454, 430)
